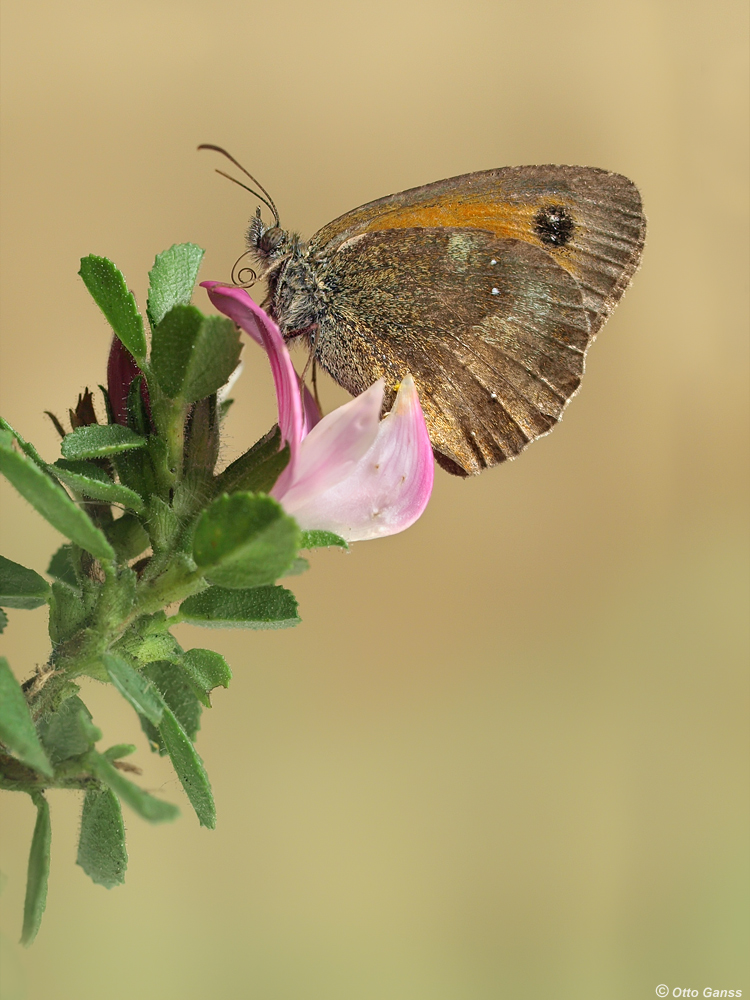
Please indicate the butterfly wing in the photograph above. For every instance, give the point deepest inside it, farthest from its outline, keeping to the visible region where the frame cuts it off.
(590, 221)
(493, 331)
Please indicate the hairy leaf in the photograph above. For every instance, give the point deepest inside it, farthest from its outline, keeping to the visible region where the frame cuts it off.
(172, 278)
(261, 607)
(17, 731)
(38, 871)
(189, 768)
(93, 482)
(21, 587)
(110, 292)
(135, 688)
(152, 809)
(100, 440)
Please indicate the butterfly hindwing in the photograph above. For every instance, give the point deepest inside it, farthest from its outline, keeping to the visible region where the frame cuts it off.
(493, 331)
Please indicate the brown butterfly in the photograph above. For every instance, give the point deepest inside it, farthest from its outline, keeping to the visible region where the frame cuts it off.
(488, 288)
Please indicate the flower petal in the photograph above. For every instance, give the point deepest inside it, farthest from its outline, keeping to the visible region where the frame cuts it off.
(388, 489)
(333, 448)
(238, 306)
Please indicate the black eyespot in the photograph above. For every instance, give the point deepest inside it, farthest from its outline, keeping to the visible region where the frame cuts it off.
(554, 225)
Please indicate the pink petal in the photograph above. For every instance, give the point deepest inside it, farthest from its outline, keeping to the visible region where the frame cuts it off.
(238, 306)
(310, 411)
(333, 448)
(388, 489)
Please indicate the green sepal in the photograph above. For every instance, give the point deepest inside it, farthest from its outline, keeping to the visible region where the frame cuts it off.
(206, 671)
(258, 469)
(177, 692)
(137, 414)
(67, 732)
(100, 440)
(63, 565)
(134, 687)
(193, 355)
(17, 730)
(261, 607)
(172, 279)
(148, 639)
(152, 809)
(109, 290)
(128, 537)
(101, 843)
(244, 540)
(190, 770)
(21, 587)
(51, 500)
(321, 540)
(38, 871)
(202, 439)
(92, 482)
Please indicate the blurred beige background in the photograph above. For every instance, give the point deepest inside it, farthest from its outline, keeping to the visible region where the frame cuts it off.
(505, 753)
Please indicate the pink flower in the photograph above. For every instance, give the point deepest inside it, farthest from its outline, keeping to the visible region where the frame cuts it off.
(350, 472)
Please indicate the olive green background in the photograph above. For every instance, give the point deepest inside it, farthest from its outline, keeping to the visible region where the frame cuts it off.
(505, 753)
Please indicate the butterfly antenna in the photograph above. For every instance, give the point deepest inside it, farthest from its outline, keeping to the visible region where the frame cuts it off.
(315, 384)
(265, 197)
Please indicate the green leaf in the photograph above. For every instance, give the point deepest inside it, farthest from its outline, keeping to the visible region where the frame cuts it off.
(21, 587)
(119, 750)
(3, 621)
(189, 768)
(258, 469)
(17, 730)
(321, 539)
(206, 670)
(110, 292)
(148, 639)
(202, 438)
(261, 607)
(299, 566)
(128, 537)
(68, 612)
(51, 500)
(99, 440)
(93, 482)
(244, 540)
(178, 694)
(62, 566)
(67, 732)
(135, 688)
(152, 809)
(38, 871)
(101, 845)
(193, 355)
(172, 278)
(24, 445)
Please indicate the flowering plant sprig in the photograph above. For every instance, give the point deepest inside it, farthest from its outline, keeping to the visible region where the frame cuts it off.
(151, 524)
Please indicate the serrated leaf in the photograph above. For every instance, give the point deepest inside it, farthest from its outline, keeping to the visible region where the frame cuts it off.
(51, 500)
(258, 469)
(38, 871)
(101, 844)
(21, 587)
(134, 687)
(178, 694)
(261, 607)
(100, 440)
(62, 567)
(94, 483)
(321, 539)
(17, 731)
(64, 734)
(172, 279)
(152, 809)
(110, 292)
(206, 670)
(244, 540)
(193, 355)
(189, 768)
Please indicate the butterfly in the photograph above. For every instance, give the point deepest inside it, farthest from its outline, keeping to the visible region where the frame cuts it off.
(488, 288)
